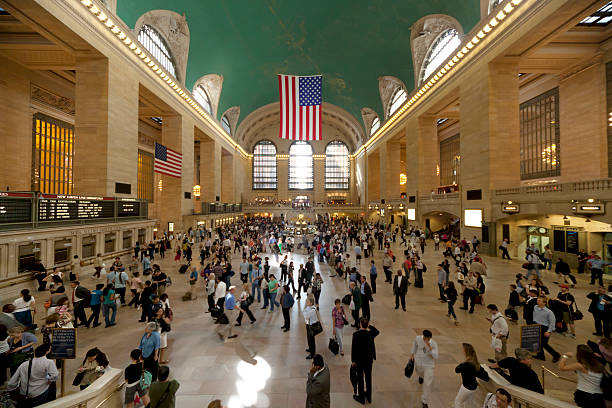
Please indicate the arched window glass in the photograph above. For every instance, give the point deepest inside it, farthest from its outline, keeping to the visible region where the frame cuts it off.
(493, 4)
(201, 97)
(157, 47)
(375, 126)
(226, 125)
(399, 97)
(337, 166)
(264, 166)
(440, 50)
(301, 166)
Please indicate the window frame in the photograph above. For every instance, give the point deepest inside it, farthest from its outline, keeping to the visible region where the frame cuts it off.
(372, 128)
(395, 98)
(162, 49)
(225, 124)
(253, 182)
(311, 178)
(345, 179)
(434, 44)
(200, 90)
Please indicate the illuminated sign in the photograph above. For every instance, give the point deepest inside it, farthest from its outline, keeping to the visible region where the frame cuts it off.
(589, 208)
(473, 218)
(411, 214)
(510, 208)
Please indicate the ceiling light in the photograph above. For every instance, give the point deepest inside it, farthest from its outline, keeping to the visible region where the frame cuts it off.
(516, 2)
(460, 54)
(102, 16)
(116, 30)
(486, 28)
(493, 22)
(481, 34)
(94, 9)
(86, 3)
(508, 8)
(469, 45)
(501, 15)
(475, 40)
(464, 50)
(109, 23)
(132, 46)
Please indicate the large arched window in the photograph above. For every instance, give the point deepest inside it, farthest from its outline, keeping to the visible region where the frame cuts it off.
(440, 50)
(375, 126)
(337, 166)
(201, 97)
(301, 166)
(493, 4)
(226, 125)
(155, 44)
(399, 97)
(264, 166)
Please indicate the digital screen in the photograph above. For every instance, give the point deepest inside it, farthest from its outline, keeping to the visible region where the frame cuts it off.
(15, 210)
(473, 218)
(56, 208)
(128, 208)
(411, 214)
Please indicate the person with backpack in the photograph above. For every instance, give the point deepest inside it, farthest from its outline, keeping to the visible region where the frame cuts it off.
(245, 301)
(133, 375)
(163, 392)
(95, 303)
(286, 302)
(499, 330)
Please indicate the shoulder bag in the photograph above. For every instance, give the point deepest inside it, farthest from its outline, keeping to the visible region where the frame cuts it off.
(316, 328)
(23, 401)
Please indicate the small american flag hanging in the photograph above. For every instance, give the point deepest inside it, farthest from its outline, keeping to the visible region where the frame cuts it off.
(167, 161)
(300, 107)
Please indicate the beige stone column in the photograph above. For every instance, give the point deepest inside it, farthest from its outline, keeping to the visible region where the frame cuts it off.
(170, 201)
(227, 177)
(393, 170)
(373, 171)
(106, 128)
(320, 195)
(210, 170)
(282, 167)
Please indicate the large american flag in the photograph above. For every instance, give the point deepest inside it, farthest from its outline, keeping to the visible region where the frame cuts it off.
(300, 107)
(167, 161)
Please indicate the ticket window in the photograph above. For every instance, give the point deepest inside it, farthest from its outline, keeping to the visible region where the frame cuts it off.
(109, 242)
(127, 239)
(27, 255)
(142, 236)
(88, 249)
(62, 250)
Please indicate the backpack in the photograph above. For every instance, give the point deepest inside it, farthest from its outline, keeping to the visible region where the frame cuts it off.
(424, 268)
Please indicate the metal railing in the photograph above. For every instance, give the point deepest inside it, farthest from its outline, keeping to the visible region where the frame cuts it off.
(438, 197)
(560, 377)
(578, 186)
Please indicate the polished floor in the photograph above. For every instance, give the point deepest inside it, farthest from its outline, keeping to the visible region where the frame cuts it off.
(207, 368)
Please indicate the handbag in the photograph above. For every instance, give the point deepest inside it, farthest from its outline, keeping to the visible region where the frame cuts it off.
(577, 315)
(334, 347)
(354, 378)
(409, 369)
(315, 328)
(145, 379)
(346, 300)
(78, 378)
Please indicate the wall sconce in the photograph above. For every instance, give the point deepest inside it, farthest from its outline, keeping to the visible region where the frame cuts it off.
(403, 179)
(160, 185)
(196, 190)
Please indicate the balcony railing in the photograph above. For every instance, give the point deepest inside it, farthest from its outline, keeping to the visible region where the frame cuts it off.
(578, 186)
(220, 208)
(437, 197)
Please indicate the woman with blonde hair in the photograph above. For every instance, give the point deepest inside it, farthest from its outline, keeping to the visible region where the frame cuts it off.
(590, 371)
(470, 369)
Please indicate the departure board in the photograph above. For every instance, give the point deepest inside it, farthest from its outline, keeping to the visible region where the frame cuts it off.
(128, 208)
(15, 207)
(57, 208)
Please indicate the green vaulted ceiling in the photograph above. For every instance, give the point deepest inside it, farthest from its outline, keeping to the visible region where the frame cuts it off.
(350, 42)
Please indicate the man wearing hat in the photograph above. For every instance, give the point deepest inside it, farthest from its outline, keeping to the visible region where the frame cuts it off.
(224, 331)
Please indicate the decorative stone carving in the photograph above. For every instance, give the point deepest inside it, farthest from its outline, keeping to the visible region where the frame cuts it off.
(232, 115)
(423, 33)
(145, 140)
(175, 32)
(387, 85)
(368, 115)
(213, 84)
(51, 99)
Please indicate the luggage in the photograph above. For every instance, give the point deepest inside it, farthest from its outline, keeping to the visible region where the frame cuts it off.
(409, 369)
(478, 300)
(346, 299)
(216, 312)
(334, 347)
(222, 319)
(186, 297)
(511, 313)
(183, 269)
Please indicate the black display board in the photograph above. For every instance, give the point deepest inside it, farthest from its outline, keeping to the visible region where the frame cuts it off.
(57, 208)
(559, 240)
(571, 242)
(15, 207)
(63, 343)
(128, 208)
(531, 337)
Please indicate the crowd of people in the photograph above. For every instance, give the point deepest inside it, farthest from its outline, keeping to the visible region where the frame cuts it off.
(348, 249)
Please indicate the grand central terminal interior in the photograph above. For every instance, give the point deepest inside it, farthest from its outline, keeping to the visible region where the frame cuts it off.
(423, 188)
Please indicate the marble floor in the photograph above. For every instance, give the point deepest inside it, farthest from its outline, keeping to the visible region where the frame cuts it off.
(207, 368)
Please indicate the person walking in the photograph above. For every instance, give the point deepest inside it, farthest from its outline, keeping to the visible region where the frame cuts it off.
(363, 354)
(566, 302)
(441, 283)
(589, 392)
(470, 369)
(95, 303)
(366, 297)
(340, 320)
(224, 331)
(450, 294)
(109, 305)
(504, 248)
(387, 263)
(545, 318)
(596, 264)
(601, 310)
(499, 330)
(80, 300)
(273, 286)
(317, 385)
(373, 276)
(245, 302)
(193, 280)
(317, 284)
(286, 302)
(311, 317)
(210, 291)
(135, 287)
(355, 302)
(400, 288)
(424, 353)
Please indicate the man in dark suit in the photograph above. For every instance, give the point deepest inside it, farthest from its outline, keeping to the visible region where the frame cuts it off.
(366, 298)
(531, 302)
(81, 297)
(363, 354)
(601, 309)
(317, 387)
(400, 287)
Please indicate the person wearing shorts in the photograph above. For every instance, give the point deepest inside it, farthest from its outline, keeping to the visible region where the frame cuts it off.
(566, 300)
(133, 375)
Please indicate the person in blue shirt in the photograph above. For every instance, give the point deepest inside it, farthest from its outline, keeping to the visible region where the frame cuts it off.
(224, 331)
(601, 309)
(149, 345)
(373, 276)
(95, 303)
(193, 279)
(596, 264)
(146, 265)
(545, 318)
(120, 280)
